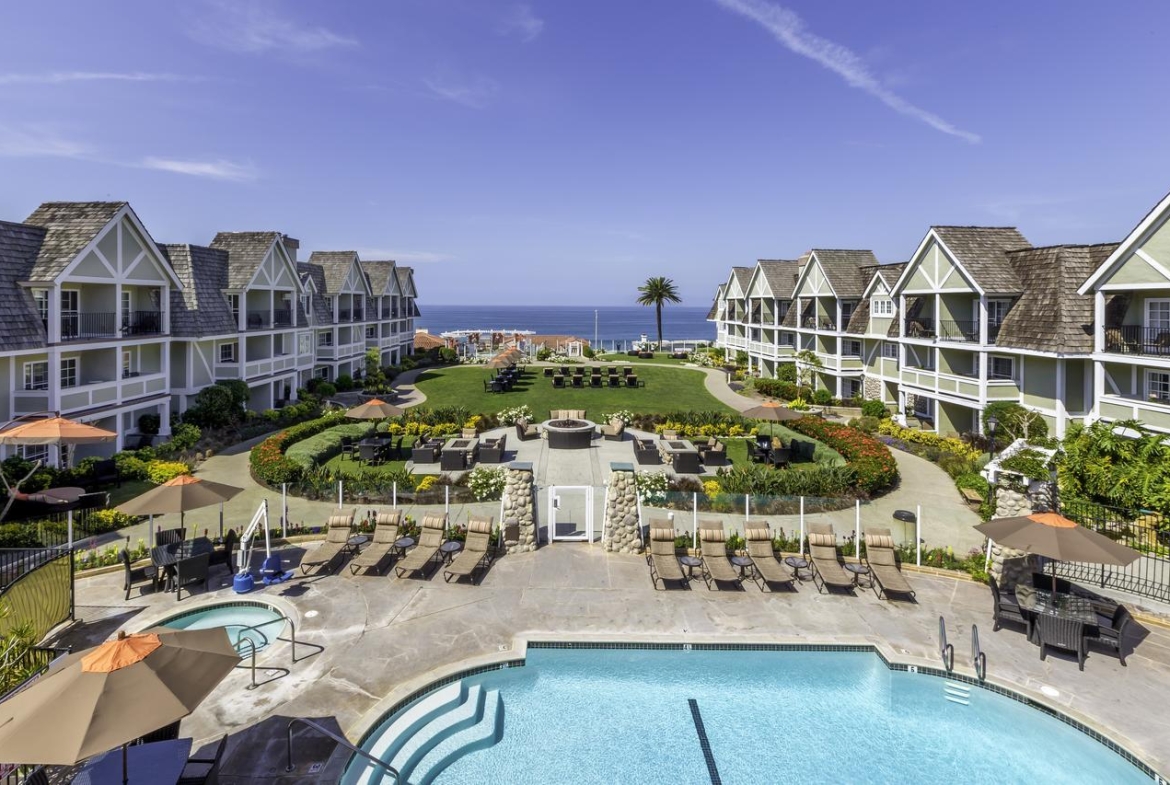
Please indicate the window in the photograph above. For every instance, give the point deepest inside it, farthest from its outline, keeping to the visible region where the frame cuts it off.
(305, 343)
(227, 352)
(278, 344)
(782, 310)
(127, 303)
(847, 312)
(127, 364)
(1002, 368)
(890, 349)
(69, 372)
(233, 301)
(1158, 386)
(325, 338)
(996, 311)
(41, 299)
(1157, 315)
(881, 306)
(787, 339)
(34, 452)
(36, 375)
(322, 373)
(852, 348)
(371, 332)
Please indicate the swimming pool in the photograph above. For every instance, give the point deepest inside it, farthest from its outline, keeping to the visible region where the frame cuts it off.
(257, 622)
(589, 715)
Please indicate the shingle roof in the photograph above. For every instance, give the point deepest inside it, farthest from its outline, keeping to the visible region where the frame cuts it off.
(21, 327)
(843, 269)
(246, 252)
(714, 312)
(378, 274)
(781, 276)
(404, 276)
(322, 313)
(982, 252)
(70, 226)
(859, 321)
(200, 309)
(743, 276)
(335, 266)
(1049, 314)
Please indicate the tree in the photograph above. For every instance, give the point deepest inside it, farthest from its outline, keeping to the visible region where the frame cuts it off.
(807, 364)
(658, 291)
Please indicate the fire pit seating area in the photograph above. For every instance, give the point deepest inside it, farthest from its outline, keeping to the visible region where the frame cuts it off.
(567, 429)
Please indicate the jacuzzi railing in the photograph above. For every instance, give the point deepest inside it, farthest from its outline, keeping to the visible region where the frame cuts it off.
(340, 740)
(253, 649)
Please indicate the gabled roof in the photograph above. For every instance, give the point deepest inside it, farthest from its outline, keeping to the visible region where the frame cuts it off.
(1152, 221)
(406, 284)
(886, 273)
(1050, 315)
(69, 227)
(859, 321)
(743, 276)
(200, 309)
(21, 327)
(714, 312)
(322, 313)
(378, 274)
(335, 266)
(781, 275)
(246, 252)
(982, 252)
(842, 268)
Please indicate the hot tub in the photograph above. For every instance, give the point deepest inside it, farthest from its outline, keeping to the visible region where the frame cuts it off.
(569, 434)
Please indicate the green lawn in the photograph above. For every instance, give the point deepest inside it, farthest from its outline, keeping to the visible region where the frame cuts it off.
(737, 449)
(128, 490)
(350, 466)
(666, 390)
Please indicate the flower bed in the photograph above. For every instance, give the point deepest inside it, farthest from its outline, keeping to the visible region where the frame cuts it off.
(871, 460)
(269, 463)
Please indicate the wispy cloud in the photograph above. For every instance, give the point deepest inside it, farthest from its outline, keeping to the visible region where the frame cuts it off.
(38, 141)
(218, 169)
(65, 77)
(789, 29)
(256, 26)
(521, 21)
(400, 255)
(476, 93)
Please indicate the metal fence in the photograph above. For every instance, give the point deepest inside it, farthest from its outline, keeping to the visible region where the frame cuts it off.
(41, 593)
(1147, 533)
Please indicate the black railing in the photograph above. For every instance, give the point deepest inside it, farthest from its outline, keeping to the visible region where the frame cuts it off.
(282, 317)
(919, 327)
(992, 331)
(1135, 339)
(950, 330)
(822, 323)
(259, 320)
(386, 313)
(1146, 532)
(343, 315)
(142, 323)
(358, 313)
(87, 326)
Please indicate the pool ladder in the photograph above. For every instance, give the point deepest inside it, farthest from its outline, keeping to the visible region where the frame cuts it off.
(252, 649)
(956, 691)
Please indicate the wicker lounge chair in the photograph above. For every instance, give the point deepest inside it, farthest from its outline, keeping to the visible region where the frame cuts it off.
(476, 555)
(768, 569)
(385, 535)
(660, 556)
(427, 550)
(822, 550)
(614, 431)
(885, 576)
(336, 538)
(717, 568)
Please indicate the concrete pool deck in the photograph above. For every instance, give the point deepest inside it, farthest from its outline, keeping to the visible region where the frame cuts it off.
(382, 636)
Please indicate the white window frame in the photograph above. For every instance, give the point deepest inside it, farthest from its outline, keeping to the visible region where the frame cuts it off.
(881, 306)
(305, 343)
(889, 350)
(33, 384)
(33, 452)
(993, 316)
(233, 301)
(1163, 322)
(68, 372)
(127, 303)
(41, 303)
(1158, 389)
(127, 363)
(993, 359)
(234, 353)
(848, 345)
(371, 331)
(325, 338)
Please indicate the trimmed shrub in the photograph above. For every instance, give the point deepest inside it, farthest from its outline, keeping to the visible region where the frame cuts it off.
(786, 372)
(159, 472)
(268, 461)
(875, 467)
(316, 450)
(822, 397)
(875, 409)
(325, 390)
(344, 382)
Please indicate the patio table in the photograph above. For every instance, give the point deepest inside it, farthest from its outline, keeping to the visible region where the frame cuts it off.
(1059, 604)
(165, 557)
(158, 763)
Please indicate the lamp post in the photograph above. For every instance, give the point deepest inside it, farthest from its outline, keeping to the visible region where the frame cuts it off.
(992, 424)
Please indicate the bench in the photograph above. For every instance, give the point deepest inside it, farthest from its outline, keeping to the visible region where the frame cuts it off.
(972, 496)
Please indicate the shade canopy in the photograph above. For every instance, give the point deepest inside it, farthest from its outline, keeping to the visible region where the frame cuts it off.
(183, 493)
(99, 699)
(374, 409)
(772, 411)
(500, 361)
(1056, 537)
(55, 430)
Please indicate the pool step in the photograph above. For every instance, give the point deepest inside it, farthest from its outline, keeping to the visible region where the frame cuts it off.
(391, 740)
(485, 733)
(467, 714)
(957, 692)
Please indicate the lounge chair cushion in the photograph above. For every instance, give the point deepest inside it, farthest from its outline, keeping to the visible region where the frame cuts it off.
(662, 534)
(758, 534)
(711, 535)
(879, 541)
(826, 540)
(480, 525)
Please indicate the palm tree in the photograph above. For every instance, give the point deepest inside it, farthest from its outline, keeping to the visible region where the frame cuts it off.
(658, 291)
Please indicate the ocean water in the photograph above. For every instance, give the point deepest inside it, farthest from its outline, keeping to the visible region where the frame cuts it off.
(614, 323)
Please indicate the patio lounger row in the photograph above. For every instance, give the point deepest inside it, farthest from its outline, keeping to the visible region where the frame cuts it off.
(336, 538)
(476, 555)
(768, 569)
(382, 545)
(660, 556)
(717, 568)
(822, 550)
(427, 551)
(885, 577)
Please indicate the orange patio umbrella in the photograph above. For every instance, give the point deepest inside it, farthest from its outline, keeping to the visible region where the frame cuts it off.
(55, 430)
(374, 409)
(185, 492)
(777, 412)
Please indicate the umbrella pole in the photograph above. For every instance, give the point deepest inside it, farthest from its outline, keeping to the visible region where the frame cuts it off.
(221, 520)
(125, 768)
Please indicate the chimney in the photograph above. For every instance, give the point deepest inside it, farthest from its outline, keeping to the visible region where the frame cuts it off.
(292, 245)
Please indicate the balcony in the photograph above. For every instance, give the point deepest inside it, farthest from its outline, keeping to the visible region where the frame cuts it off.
(282, 317)
(919, 327)
(819, 323)
(88, 326)
(358, 315)
(142, 323)
(343, 315)
(950, 330)
(107, 392)
(1135, 339)
(259, 320)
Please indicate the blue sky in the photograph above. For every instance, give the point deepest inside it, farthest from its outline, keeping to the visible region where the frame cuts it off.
(555, 151)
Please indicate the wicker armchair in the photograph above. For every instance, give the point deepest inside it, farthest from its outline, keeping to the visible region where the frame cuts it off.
(1111, 630)
(1005, 608)
(1067, 634)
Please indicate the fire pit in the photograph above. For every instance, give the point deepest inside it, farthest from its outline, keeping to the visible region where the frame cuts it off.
(569, 434)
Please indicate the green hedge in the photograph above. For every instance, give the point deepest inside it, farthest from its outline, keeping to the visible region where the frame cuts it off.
(271, 465)
(316, 450)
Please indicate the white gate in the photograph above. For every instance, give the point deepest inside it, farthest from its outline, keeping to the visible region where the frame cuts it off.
(570, 513)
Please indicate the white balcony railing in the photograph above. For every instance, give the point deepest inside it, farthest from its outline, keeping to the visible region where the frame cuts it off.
(105, 393)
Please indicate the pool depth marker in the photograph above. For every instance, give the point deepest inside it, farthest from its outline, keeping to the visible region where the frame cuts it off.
(704, 742)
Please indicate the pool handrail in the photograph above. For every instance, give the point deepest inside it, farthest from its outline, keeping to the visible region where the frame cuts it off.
(945, 650)
(340, 740)
(252, 648)
(978, 658)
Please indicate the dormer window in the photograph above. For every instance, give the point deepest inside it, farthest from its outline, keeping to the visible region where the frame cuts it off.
(881, 306)
(41, 300)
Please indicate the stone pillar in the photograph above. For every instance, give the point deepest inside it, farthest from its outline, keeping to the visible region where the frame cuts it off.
(519, 509)
(623, 534)
(1008, 565)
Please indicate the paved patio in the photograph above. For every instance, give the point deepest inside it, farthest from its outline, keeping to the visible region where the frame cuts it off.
(384, 636)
